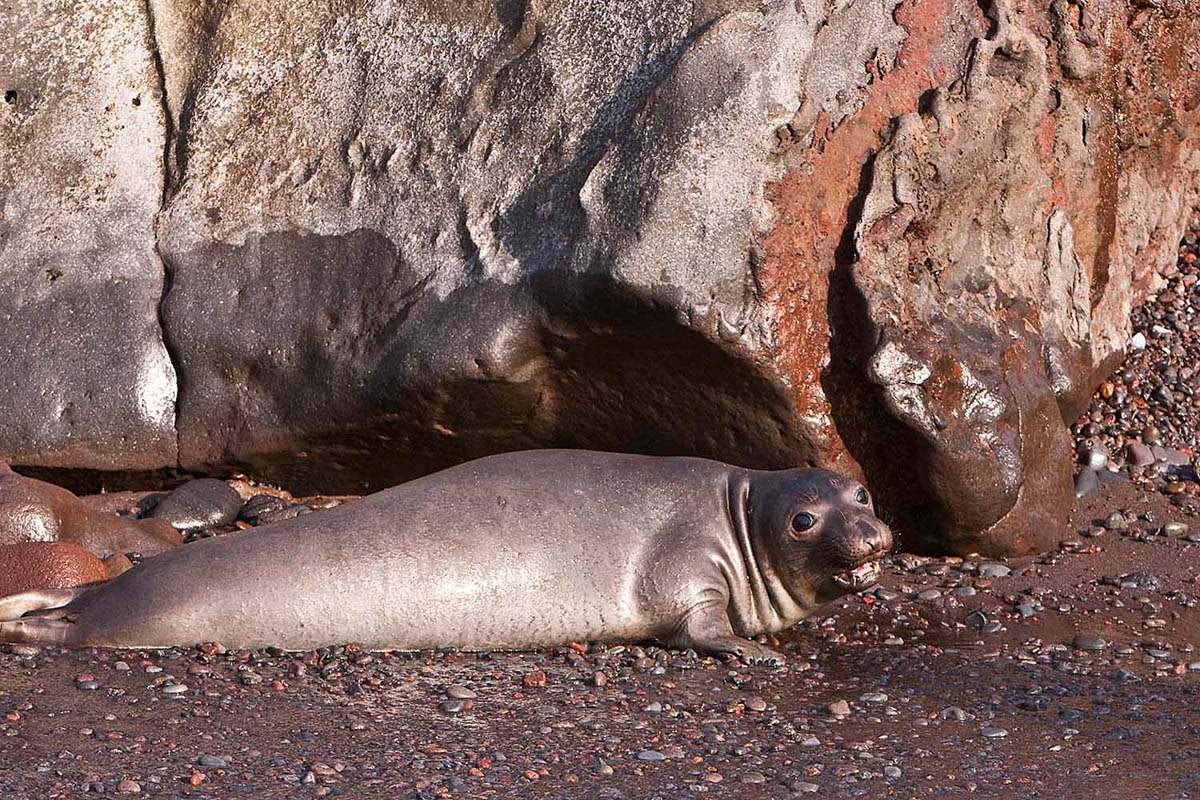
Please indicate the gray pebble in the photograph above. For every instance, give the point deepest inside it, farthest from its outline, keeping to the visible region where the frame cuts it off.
(651, 755)
(260, 504)
(994, 571)
(1087, 483)
(1174, 529)
(976, 618)
(993, 733)
(805, 787)
(873, 697)
(929, 594)
(1089, 641)
(965, 591)
(1116, 522)
(892, 771)
(198, 504)
(210, 761)
(453, 706)
(175, 688)
(459, 692)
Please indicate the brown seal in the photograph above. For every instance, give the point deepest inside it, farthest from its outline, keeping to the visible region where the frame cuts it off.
(513, 551)
(36, 511)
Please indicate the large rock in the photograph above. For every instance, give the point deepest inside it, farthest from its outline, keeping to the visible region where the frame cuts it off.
(897, 239)
(86, 381)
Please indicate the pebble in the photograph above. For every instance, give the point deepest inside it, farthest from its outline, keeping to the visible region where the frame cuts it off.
(211, 761)
(175, 688)
(460, 692)
(1139, 454)
(1116, 522)
(198, 504)
(1087, 483)
(651, 755)
(1089, 641)
(1174, 529)
(929, 594)
(993, 733)
(873, 697)
(994, 571)
(892, 771)
(805, 787)
(453, 706)
(964, 591)
(838, 708)
(259, 505)
(129, 787)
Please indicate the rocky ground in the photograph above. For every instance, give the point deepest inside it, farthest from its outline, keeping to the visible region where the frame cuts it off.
(1075, 671)
(1053, 676)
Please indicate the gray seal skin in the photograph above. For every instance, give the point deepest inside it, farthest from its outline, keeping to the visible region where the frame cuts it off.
(515, 551)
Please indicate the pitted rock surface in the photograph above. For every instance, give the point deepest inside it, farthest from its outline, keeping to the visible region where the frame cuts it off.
(900, 240)
(47, 565)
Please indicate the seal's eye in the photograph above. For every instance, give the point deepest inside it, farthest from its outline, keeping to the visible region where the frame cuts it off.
(803, 521)
(861, 496)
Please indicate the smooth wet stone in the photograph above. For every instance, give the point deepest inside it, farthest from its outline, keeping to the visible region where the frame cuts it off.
(1174, 529)
(1116, 522)
(994, 571)
(1087, 483)
(1095, 458)
(199, 504)
(1089, 641)
(1139, 455)
(993, 733)
(651, 755)
(460, 692)
(211, 761)
(260, 504)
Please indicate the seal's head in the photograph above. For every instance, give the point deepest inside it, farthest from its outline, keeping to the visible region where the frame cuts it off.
(822, 537)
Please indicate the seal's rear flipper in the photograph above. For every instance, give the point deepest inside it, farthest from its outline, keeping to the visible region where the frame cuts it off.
(15, 606)
(36, 630)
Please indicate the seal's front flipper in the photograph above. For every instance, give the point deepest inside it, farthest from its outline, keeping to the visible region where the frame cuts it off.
(17, 605)
(707, 630)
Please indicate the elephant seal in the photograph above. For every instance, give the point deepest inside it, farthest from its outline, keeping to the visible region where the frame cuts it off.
(36, 511)
(515, 551)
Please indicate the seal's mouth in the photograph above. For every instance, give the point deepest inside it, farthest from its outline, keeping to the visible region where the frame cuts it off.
(858, 578)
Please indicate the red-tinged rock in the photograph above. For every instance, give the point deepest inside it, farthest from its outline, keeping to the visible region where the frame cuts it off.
(47, 565)
(34, 511)
(535, 680)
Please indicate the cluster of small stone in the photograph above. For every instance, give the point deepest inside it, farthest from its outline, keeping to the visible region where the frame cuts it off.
(1144, 422)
